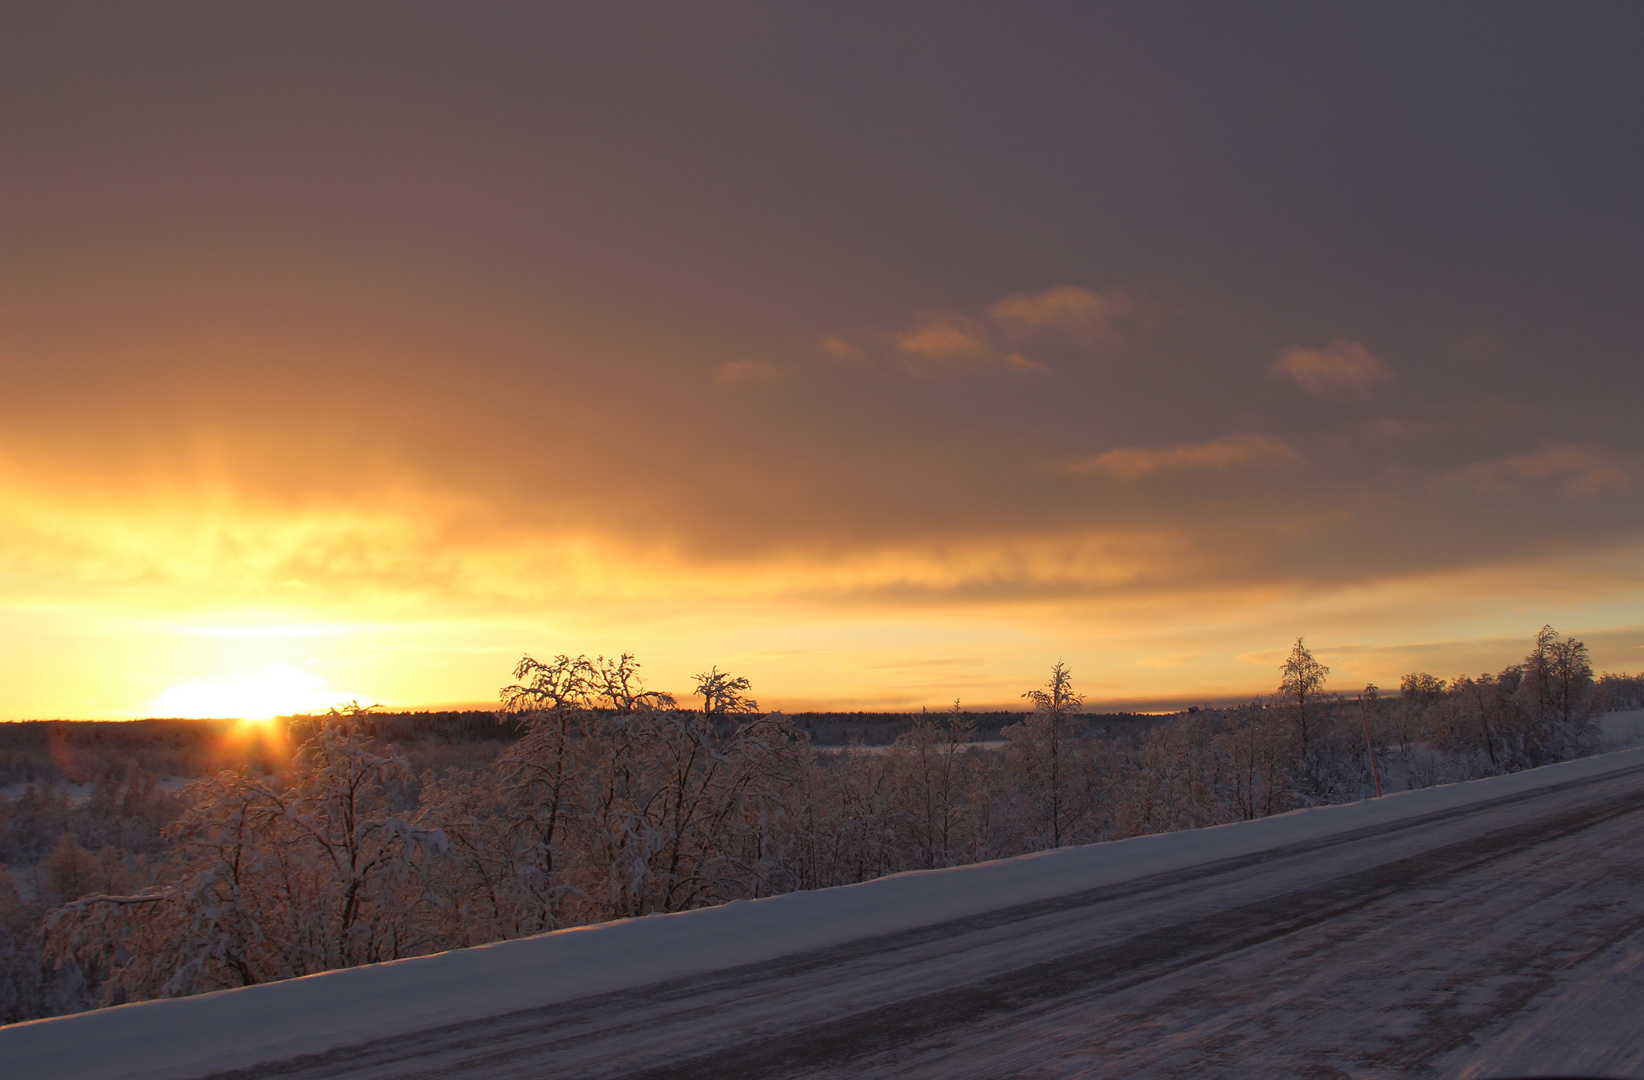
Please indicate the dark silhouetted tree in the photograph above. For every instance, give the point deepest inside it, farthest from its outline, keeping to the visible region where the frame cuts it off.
(722, 692)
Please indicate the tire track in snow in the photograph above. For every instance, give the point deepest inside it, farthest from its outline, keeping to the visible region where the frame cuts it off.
(1111, 969)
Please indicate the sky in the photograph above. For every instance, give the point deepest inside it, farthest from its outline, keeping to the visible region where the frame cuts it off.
(882, 353)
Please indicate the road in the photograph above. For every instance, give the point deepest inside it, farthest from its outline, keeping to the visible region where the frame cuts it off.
(1504, 938)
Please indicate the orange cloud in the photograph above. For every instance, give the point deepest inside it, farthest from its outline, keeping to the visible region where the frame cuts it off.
(1341, 370)
(1583, 470)
(947, 341)
(421, 597)
(1170, 661)
(747, 371)
(837, 348)
(1132, 463)
(408, 551)
(942, 342)
(1078, 315)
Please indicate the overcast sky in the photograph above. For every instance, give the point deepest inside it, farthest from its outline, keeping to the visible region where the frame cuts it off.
(886, 353)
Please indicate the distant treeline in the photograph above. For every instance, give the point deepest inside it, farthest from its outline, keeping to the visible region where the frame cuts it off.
(80, 751)
(468, 725)
(823, 728)
(884, 728)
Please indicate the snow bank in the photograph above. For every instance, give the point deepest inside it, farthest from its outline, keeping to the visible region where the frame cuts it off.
(163, 1040)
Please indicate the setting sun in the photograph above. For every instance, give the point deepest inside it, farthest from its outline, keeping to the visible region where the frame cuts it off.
(278, 690)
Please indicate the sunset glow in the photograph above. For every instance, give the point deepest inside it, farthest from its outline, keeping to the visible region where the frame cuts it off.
(280, 690)
(345, 361)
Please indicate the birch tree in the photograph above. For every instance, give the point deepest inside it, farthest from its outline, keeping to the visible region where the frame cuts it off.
(1302, 680)
(1041, 750)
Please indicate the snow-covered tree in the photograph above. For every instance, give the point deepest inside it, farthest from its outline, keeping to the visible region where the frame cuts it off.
(1045, 762)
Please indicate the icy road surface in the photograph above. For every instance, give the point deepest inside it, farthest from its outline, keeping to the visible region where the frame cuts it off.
(1505, 937)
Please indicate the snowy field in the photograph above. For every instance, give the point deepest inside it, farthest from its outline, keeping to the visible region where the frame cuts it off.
(1476, 929)
(79, 793)
(1616, 731)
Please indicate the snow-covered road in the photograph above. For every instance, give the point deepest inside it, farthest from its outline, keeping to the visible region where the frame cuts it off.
(1502, 937)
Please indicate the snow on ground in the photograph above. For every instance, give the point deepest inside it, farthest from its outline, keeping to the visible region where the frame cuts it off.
(79, 793)
(1619, 730)
(238, 1028)
(979, 744)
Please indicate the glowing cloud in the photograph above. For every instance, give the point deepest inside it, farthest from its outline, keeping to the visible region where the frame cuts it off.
(1133, 463)
(1341, 370)
(747, 371)
(842, 351)
(1078, 315)
(1173, 660)
(1583, 470)
(947, 341)
(942, 342)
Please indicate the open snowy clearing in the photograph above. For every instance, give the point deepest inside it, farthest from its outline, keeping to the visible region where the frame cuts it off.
(1475, 929)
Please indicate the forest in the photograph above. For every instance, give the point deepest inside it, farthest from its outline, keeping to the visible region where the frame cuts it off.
(354, 837)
